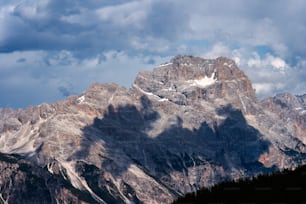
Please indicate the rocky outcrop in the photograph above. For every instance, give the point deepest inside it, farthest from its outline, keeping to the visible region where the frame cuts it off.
(186, 124)
(187, 80)
(23, 182)
(291, 110)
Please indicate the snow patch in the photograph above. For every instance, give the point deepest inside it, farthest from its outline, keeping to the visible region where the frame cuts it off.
(163, 65)
(204, 82)
(163, 100)
(143, 91)
(150, 94)
(226, 64)
(81, 99)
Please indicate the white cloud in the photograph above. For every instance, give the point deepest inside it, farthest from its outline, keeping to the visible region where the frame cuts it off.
(278, 62)
(47, 77)
(128, 14)
(266, 88)
(266, 62)
(271, 74)
(62, 41)
(237, 60)
(217, 50)
(255, 61)
(263, 88)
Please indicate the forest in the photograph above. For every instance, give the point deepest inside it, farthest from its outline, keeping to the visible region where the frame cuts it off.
(287, 186)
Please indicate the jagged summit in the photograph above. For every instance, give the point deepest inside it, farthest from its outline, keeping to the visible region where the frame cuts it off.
(189, 71)
(187, 80)
(186, 124)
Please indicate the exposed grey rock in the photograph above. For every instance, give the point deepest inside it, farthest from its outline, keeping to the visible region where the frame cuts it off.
(184, 125)
(24, 182)
(291, 110)
(12, 124)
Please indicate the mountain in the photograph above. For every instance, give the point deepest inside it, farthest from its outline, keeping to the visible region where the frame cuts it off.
(187, 124)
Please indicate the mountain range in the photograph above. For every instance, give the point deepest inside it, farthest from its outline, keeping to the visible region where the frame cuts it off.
(186, 124)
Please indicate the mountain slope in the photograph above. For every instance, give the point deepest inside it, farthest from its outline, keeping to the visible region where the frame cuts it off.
(184, 125)
(22, 182)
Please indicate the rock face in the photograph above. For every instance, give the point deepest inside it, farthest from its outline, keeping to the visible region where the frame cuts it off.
(184, 125)
(291, 110)
(24, 182)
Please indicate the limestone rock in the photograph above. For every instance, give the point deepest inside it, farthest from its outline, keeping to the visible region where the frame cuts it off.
(186, 124)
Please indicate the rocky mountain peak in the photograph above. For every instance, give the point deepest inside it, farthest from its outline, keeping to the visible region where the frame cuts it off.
(188, 123)
(199, 67)
(186, 80)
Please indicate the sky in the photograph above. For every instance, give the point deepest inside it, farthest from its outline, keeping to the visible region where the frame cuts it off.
(50, 49)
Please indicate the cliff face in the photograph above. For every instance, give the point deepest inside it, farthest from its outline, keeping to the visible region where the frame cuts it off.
(291, 110)
(184, 125)
(188, 80)
(23, 182)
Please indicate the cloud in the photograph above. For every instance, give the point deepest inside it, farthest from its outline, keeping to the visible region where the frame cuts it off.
(140, 25)
(150, 26)
(65, 25)
(268, 61)
(217, 50)
(34, 77)
(49, 44)
(271, 74)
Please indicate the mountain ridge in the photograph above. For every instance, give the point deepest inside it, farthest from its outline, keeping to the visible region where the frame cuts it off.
(187, 124)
